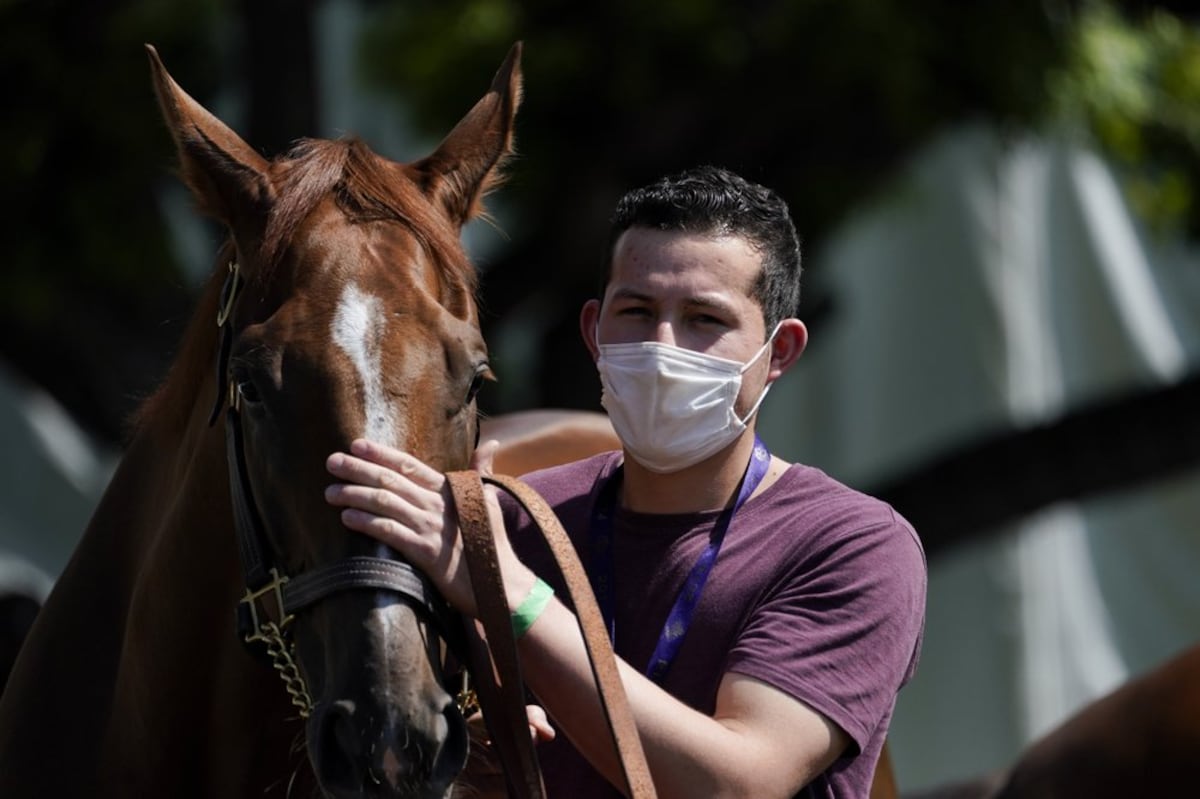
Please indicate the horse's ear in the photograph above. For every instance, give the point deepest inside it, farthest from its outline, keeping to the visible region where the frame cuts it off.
(223, 172)
(467, 164)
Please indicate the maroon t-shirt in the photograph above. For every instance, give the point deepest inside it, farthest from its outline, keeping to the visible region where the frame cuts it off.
(818, 590)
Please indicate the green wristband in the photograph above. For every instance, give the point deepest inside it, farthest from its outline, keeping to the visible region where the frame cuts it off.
(531, 607)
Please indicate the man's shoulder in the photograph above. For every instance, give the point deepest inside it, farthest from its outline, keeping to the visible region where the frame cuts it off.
(828, 503)
(810, 486)
(561, 483)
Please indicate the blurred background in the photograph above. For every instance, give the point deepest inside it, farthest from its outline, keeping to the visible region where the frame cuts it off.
(998, 202)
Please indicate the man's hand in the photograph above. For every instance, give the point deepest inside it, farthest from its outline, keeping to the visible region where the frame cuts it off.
(403, 503)
(483, 777)
(539, 725)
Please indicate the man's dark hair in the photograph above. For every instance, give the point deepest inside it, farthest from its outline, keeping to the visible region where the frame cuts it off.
(712, 201)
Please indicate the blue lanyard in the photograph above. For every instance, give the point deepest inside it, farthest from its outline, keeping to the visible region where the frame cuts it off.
(680, 617)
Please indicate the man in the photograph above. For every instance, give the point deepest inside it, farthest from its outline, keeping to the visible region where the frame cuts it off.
(765, 614)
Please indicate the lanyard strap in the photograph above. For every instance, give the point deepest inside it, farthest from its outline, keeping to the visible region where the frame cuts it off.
(680, 617)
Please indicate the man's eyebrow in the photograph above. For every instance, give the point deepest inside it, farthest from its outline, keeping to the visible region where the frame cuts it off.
(630, 294)
(702, 301)
(712, 302)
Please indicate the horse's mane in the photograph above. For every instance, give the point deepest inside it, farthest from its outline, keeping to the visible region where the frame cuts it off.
(366, 188)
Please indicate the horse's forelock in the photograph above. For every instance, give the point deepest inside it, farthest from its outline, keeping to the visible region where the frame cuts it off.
(366, 188)
(303, 177)
(375, 188)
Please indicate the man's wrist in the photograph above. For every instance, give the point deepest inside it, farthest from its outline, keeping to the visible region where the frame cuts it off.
(531, 607)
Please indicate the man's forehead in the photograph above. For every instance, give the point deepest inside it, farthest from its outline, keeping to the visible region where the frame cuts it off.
(689, 256)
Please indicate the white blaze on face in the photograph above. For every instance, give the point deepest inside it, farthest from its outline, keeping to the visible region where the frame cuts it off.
(358, 329)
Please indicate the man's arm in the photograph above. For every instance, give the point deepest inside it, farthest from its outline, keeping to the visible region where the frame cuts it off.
(759, 743)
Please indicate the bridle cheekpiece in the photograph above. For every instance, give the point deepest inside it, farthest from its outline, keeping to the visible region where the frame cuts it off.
(272, 598)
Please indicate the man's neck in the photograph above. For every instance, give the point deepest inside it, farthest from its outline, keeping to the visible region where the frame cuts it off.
(708, 485)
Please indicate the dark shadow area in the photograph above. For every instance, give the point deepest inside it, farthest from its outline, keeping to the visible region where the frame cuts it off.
(17, 612)
(1106, 446)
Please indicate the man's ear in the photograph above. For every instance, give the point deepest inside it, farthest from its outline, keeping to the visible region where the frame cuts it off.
(790, 340)
(589, 316)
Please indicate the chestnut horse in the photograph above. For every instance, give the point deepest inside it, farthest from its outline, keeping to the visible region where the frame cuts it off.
(1140, 739)
(345, 307)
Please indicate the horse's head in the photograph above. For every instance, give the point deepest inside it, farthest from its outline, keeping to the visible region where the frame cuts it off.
(351, 314)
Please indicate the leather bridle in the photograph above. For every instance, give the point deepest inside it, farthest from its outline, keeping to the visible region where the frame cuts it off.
(273, 598)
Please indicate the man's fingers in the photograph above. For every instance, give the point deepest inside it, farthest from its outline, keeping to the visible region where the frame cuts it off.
(414, 481)
(397, 460)
(482, 461)
(485, 456)
(539, 723)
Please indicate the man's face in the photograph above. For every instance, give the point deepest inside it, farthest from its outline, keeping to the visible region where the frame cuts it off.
(688, 290)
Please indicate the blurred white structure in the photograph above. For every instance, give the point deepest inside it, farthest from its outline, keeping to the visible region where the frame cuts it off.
(52, 478)
(997, 285)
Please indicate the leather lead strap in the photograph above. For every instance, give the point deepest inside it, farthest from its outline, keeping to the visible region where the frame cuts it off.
(493, 610)
(498, 675)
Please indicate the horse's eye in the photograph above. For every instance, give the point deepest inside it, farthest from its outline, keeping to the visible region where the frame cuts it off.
(243, 384)
(482, 372)
(248, 391)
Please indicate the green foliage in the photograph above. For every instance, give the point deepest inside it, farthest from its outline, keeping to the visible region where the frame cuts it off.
(74, 157)
(89, 267)
(1133, 85)
(821, 101)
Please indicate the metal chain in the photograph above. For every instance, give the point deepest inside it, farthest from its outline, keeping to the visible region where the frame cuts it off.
(282, 657)
(466, 698)
(281, 652)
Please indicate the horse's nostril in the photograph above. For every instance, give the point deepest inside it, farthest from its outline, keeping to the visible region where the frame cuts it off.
(339, 751)
(452, 754)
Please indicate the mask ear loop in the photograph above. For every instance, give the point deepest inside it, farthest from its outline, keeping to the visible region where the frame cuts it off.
(754, 409)
(762, 349)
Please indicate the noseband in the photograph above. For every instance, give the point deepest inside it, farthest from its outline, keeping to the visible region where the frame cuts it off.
(273, 598)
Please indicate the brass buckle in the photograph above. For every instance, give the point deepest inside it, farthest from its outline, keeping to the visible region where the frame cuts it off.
(229, 292)
(275, 586)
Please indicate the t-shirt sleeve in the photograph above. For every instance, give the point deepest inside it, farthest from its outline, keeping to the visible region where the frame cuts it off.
(569, 490)
(840, 627)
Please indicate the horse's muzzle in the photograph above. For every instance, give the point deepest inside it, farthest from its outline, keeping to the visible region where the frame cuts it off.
(356, 754)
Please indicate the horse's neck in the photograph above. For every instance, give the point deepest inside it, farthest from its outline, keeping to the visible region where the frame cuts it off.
(183, 659)
(136, 647)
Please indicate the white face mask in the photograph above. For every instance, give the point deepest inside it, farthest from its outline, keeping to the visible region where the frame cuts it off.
(672, 407)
